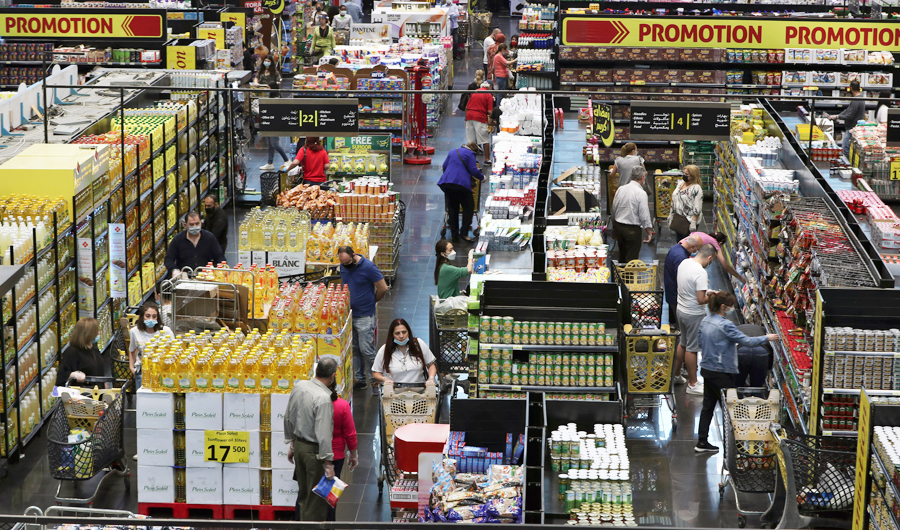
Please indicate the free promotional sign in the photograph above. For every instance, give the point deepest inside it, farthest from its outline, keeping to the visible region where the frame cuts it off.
(309, 117)
(704, 32)
(684, 121)
(67, 24)
(227, 447)
(603, 124)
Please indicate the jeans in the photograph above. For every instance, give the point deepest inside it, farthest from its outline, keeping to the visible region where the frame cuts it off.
(753, 367)
(629, 239)
(338, 466)
(455, 34)
(501, 85)
(713, 385)
(456, 196)
(275, 145)
(845, 144)
(363, 346)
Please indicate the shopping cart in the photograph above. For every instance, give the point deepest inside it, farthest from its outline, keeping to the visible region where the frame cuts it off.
(814, 488)
(480, 27)
(398, 408)
(101, 451)
(644, 292)
(749, 445)
(449, 339)
(476, 194)
(121, 367)
(649, 361)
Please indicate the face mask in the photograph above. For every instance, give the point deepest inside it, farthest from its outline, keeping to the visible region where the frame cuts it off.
(686, 178)
(452, 255)
(401, 343)
(343, 12)
(267, 63)
(350, 265)
(150, 323)
(210, 209)
(193, 230)
(97, 339)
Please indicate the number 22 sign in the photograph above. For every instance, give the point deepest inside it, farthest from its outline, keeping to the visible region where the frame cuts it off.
(227, 447)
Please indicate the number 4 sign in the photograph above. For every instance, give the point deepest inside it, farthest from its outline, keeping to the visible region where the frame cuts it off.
(227, 447)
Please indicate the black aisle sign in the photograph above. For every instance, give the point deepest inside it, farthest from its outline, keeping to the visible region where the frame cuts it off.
(680, 120)
(893, 128)
(309, 117)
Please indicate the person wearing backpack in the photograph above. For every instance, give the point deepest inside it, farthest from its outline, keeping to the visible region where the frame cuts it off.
(473, 86)
(460, 167)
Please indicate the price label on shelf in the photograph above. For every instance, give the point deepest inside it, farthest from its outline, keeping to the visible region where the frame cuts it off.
(895, 168)
(227, 447)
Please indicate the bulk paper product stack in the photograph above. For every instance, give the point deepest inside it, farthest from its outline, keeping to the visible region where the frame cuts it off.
(522, 114)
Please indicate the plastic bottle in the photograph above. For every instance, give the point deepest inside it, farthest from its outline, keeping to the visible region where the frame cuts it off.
(265, 486)
(180, 486)
(265, 449)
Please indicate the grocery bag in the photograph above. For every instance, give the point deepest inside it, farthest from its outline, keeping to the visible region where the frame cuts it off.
(330, 489)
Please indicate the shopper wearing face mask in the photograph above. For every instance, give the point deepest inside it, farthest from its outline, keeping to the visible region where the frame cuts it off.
(148, 324)
(193, 248)
(404, 358)
(268, 75)
(718, 338)
(693, 295)
(687, 203)
(215, 221)
(446, 276)
(82, 357)
(341, 23)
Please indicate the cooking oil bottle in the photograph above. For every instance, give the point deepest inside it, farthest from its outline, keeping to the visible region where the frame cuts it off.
(265, 449)
(180, 486)
(284, 369)
(265, 375)
(265, 486)
(265, 414)
(251, 374)
(185, 373)
(167, 374)
(179, 411)
(201, 371)
(180, 454)
(235, 371)
(217, 373)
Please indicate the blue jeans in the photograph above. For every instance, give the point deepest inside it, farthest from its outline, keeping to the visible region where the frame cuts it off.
(275, 145)
(501, 85)
(363, 346)
(845, 143)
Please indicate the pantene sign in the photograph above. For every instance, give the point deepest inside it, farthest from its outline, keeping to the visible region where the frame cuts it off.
(690, 32)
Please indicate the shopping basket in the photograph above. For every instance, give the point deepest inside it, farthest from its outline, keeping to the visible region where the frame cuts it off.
(749, 445)
(449, 339)
(644, 293)
(814, 488)
(399, 409)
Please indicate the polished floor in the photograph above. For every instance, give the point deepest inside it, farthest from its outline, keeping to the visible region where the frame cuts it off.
(672, 486)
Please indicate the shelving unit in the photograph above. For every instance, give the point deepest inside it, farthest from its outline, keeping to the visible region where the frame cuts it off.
(876, 490)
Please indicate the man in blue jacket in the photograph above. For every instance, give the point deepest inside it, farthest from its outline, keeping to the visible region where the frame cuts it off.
(460, 167)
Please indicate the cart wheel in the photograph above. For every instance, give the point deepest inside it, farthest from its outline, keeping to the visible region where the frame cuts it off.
(742, 521)
(721, 491)
(127, 480)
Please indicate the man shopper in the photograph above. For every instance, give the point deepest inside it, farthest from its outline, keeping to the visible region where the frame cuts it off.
(631, 216)
(488, 42)
(851, 115)
(679, 252)
(693, 295)
(195, 247)
(308, 428)
(478, 110)
(216, 222)
(367, 287)
(453, 17)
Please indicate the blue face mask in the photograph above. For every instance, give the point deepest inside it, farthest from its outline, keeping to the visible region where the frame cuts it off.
(97, 339)
(150, 323)
(401, 343)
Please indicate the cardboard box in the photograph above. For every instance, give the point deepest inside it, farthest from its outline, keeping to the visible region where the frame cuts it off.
(277, 410)
(240, 412)
(279, 452)
(195, 449)
(155, 484)
(241, 486)
(155, 410)
(204, 485)
(156, 447)
(284, 488)
(253, 454)
(203, 410)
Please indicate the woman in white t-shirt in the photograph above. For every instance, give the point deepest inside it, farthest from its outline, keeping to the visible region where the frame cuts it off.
(404, 358)
(148, 324)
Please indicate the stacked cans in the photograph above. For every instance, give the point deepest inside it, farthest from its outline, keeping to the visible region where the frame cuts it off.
(497, 366)
(507, 330)
(855, 369)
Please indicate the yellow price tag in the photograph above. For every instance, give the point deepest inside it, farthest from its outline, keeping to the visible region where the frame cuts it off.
(638, 83)
(516, 388)
(895, 168)
(227, 447)
(517, 347)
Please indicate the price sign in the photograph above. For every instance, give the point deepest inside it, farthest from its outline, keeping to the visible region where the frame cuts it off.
(309, 117)
(603, 123)
(227, 447)
(652, 120)
(892, 138)
(895, 168)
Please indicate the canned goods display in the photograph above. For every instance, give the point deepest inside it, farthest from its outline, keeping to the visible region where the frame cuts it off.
(560, 369)
(579, 333)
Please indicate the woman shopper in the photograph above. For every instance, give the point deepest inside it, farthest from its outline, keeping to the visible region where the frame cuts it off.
(323, 39)
(491, 51)
(82, 357)
(268, 75)
(718, 338)
(147, 326)
(446, 276)
(501, 69)
(687, 203)
(404, 358)
(473, 86)
(627, 160)
(343, 441)
(460, 167)
(313, 159)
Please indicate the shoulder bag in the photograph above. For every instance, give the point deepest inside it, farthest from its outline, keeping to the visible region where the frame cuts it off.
(472, 177)
(679, 223)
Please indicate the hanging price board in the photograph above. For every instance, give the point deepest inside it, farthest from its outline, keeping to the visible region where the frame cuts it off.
(227, 447)
(680, 121)
(892, 136)
(309, 116)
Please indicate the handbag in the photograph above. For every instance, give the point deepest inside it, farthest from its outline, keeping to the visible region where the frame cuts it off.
(472, 177)
(679, 224)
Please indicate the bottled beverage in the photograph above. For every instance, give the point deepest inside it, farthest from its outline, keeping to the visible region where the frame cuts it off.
(251, 374)
(217, 375)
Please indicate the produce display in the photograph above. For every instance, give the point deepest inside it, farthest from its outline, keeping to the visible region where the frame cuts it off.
(593, 474)
(319, 203)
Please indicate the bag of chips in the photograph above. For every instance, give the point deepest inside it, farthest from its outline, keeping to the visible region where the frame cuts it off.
(330, 489)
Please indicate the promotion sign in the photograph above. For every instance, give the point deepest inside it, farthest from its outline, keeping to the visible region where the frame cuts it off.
(683, 121)
(370, 32)
(117, 272)
(308, 117)
(285, 263)
(227, 447)
(707, 32)
(357, 144)
(603, 123)
(214, 34)
(63, 24)
(181, 57)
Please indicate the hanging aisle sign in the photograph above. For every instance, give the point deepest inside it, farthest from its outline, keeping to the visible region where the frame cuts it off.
(709, 32)
(309, 117)
(680, 121)
(603, 123)
(892, 138)
(67, 24)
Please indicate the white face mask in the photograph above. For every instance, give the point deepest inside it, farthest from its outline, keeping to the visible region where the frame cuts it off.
(451, 256)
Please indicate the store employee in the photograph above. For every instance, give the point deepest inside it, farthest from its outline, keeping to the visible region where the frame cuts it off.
(194, 247)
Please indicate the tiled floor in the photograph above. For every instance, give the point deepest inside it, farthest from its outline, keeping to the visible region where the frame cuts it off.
(671, 485)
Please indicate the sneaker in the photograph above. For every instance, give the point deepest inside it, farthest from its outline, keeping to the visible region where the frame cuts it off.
(266, 167)
(488, 162)
(359, 384)
(135, 458)
(680, 380)
(695, 389)
(705, 447)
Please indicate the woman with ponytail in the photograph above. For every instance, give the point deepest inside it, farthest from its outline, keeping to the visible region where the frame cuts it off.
(343, 440)
(446, 276)
(404, 358)
(719, 365)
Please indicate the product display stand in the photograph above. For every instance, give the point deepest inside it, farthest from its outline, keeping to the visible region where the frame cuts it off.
(877, 488)
(9, 424)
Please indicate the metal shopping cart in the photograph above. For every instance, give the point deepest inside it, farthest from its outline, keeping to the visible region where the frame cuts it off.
(476, 197)
(749, 445)
(98, 449)
(644, 292)
(649, 361)
(814, 485)
(449, 339)
(401, 404)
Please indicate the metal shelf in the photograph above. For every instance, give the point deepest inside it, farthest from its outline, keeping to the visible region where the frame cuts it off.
(855, 392)
(538, 347)
(47, 368)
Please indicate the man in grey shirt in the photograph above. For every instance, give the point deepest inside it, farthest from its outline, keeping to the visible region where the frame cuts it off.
(852, 114)
(308, 427)
(631, 216)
